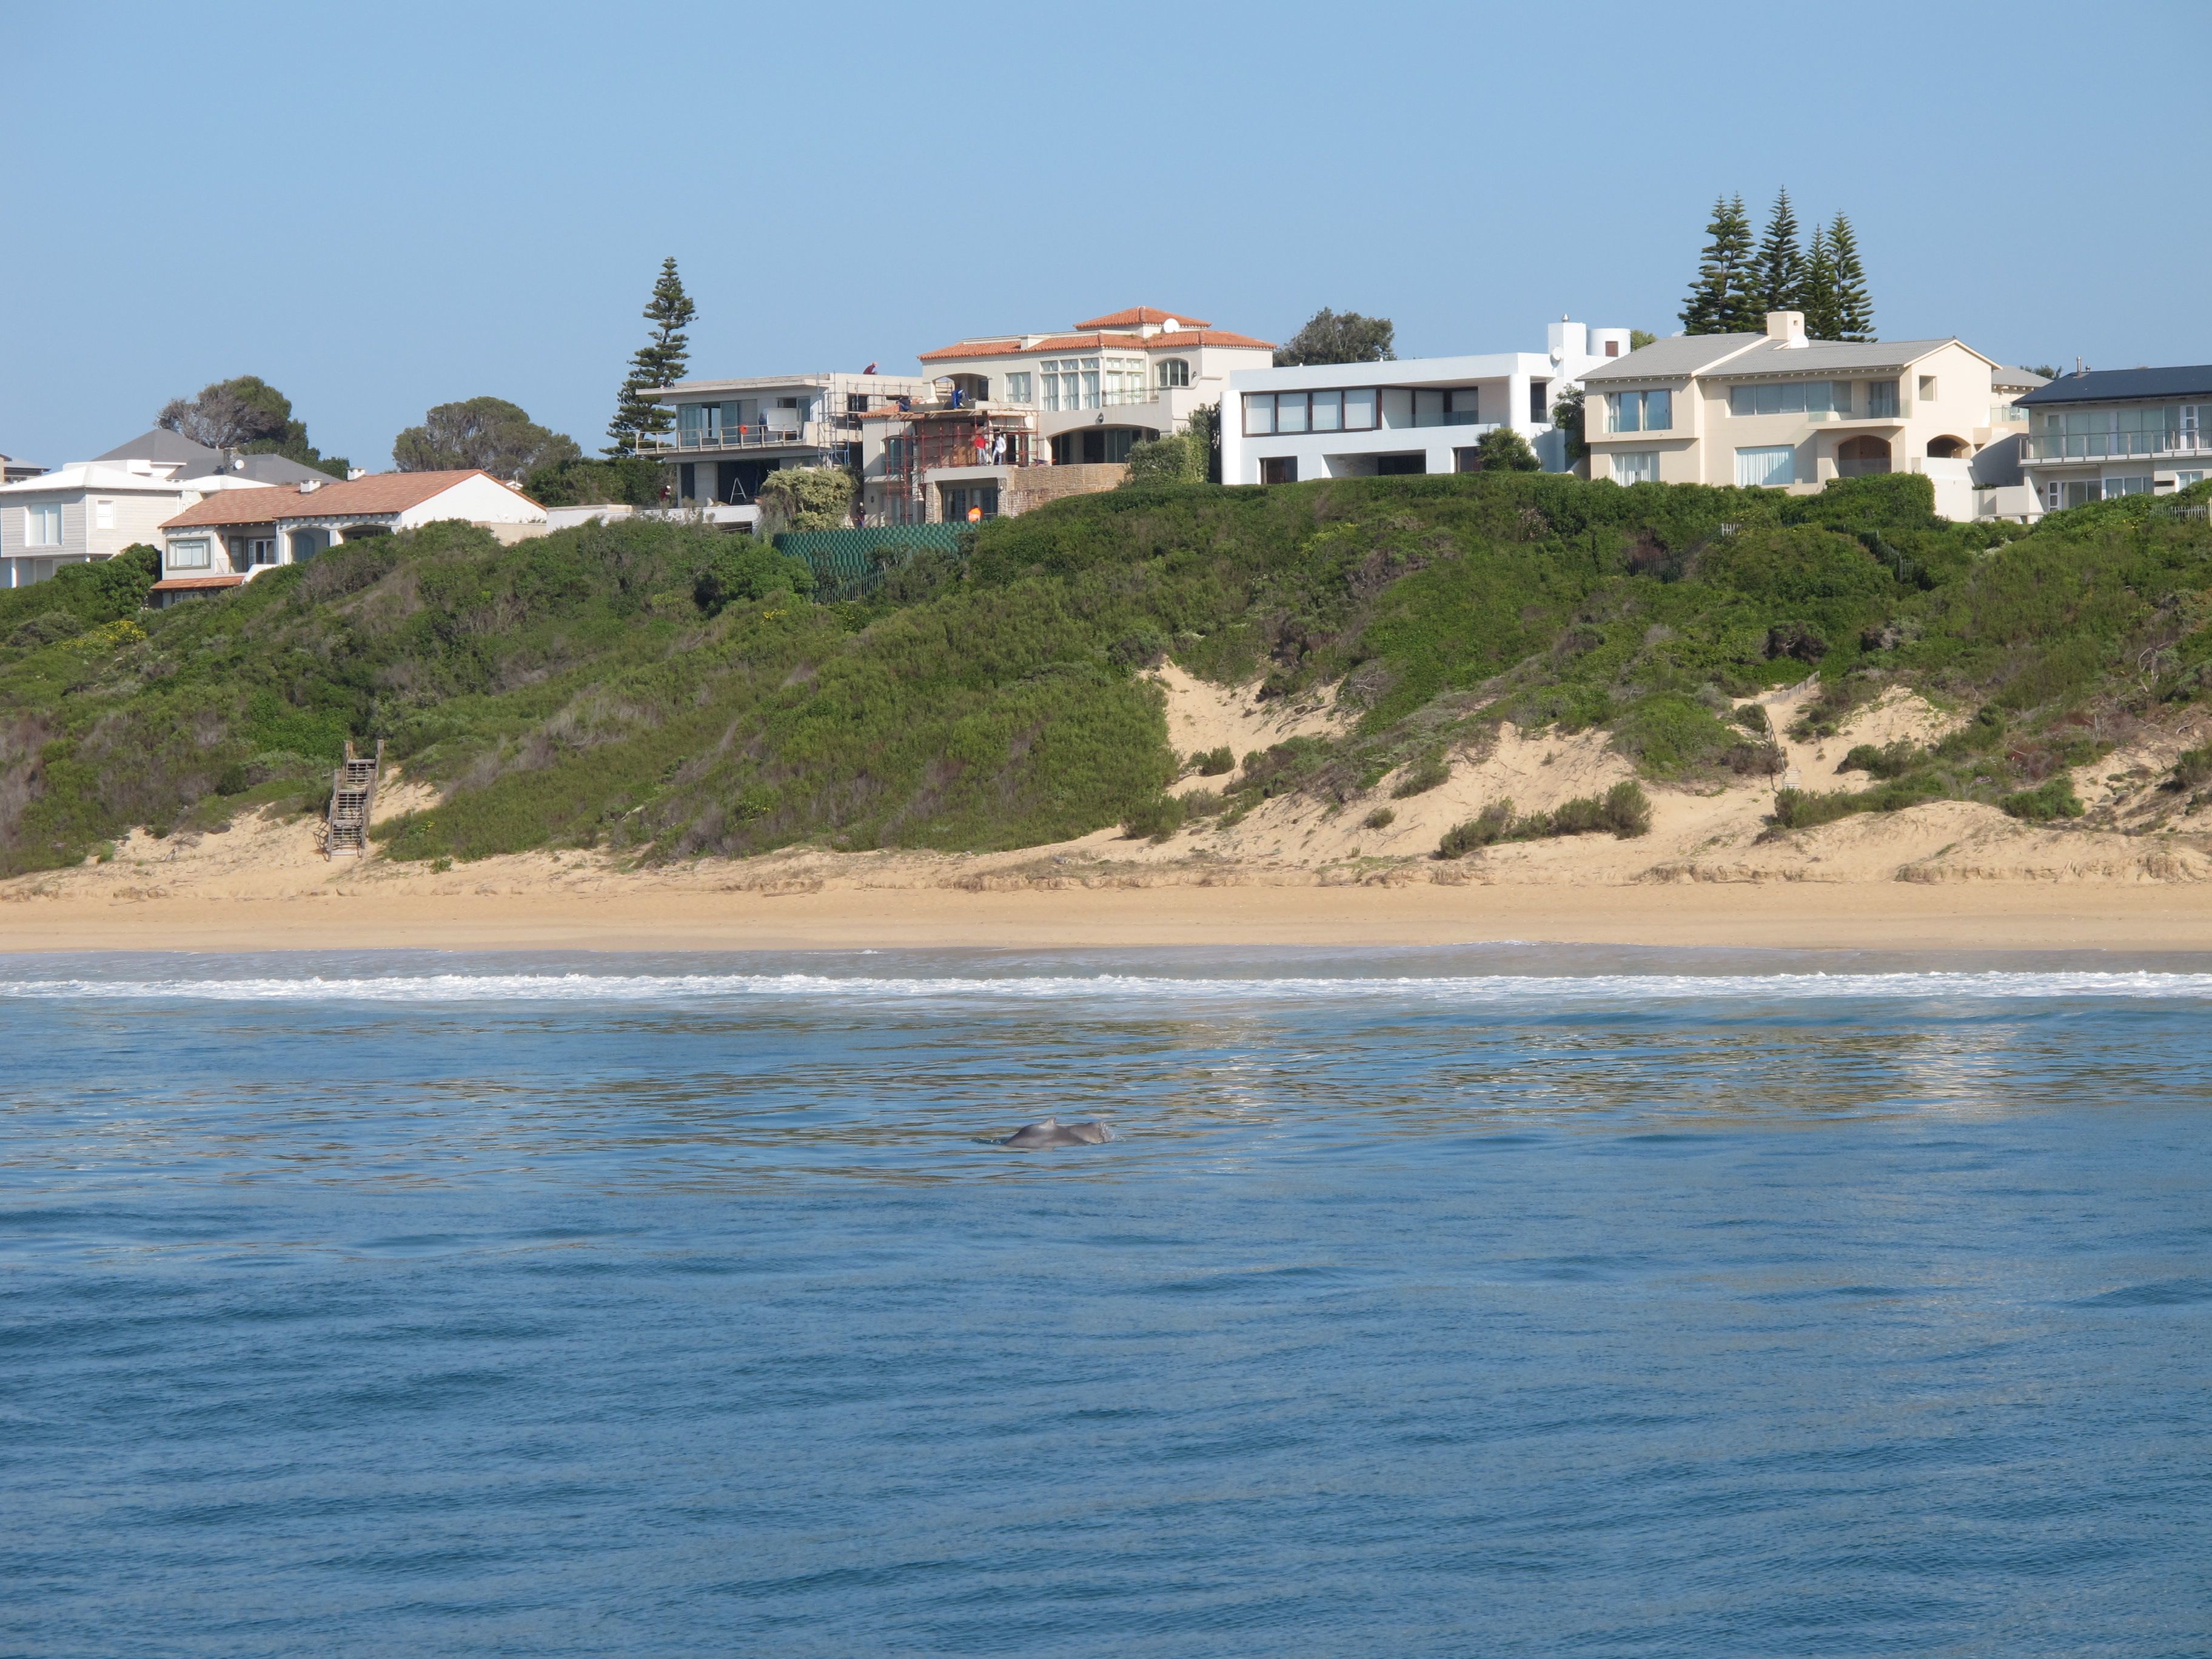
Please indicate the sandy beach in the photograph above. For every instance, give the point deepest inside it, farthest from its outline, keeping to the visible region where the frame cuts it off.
(2136, 877)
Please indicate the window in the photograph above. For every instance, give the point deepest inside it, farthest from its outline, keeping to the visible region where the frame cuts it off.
(1267, 412)
(1927, 388)
(1612, 348)
(698, 423)
(1792, 397)
(1769, 464)
(1401, 466)
(1018, 387)
(42, 527)
(1090, 383)
(1642, 466)
(2115, 488)
(1469, 459)
(2183, 480)
(1278, 469)
(969, 503)
(103, 515)
(1174, 372)
(1124, 381)
(189, 556)
(1067, 382)
(1882, 400)
(1640, 412)
(1540, 401)
(1452, 406)
(262, 550)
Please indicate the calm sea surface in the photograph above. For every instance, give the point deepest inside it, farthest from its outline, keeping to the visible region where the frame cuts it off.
(1506, 1302)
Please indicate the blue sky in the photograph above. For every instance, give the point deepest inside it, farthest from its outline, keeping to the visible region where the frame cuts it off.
(381, 208)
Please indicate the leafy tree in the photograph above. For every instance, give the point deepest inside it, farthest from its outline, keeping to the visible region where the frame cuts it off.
(660, 361)
(1340, 337)
(1502, 449)
(1720, 302)
(1780, 275)
(1854, 307)
(247, 414)
(486, 432)
(1640, 337)
(620, 479)
(1569, 411)
(2048, 371)
(806, 498)
(1203, 428)
(1816, 288)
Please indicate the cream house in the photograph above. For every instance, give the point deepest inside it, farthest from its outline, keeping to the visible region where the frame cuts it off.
(1784, 412)
(227, 540)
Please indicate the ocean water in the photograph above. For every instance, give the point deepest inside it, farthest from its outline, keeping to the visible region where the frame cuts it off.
(1510, 1301)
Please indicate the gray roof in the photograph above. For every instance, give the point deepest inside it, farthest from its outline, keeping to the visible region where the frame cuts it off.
(1730, 356)
(2114, 385)
(1674, 357)
(2006, 378)
(160, 445)
(262, 469)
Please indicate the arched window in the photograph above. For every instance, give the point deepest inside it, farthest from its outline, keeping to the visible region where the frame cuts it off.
(1174, 372)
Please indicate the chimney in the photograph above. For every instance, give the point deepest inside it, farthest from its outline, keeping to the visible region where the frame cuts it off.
(1787, 326)
(309, 486)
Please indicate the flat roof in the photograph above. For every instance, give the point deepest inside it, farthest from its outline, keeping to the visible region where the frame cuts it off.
(2101, 385)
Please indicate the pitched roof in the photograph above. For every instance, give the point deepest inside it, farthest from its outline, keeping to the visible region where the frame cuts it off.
(1137, 316)
(2005, 377)
(2113, 384)
(381, 493)
(1730, 355)
(258, 469)
(161, 445)
(189, 584)
(1205, 336)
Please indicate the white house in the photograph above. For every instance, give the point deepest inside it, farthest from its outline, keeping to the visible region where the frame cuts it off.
(1405, 416)
(1784, 411)
(228, 538)
(2112, 432)
(94, 509)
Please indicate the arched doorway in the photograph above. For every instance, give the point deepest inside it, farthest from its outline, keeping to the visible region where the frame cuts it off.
(1861, 457)
(1948, 448)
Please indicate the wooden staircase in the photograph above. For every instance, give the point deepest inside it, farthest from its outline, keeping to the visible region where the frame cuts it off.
(353, 800)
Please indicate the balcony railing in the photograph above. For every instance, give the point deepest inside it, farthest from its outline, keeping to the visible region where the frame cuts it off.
(816, 433)
(2115, 445)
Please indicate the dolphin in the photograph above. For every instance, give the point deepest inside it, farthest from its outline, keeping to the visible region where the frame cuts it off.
(1053, 1133)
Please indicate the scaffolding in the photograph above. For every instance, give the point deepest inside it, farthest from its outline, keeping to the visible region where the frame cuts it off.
(958, 435)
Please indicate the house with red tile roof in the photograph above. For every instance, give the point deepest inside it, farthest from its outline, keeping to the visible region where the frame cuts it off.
(224, 540)
(1080, 399)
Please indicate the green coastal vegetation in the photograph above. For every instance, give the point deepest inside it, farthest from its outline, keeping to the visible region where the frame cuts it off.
(664, 690)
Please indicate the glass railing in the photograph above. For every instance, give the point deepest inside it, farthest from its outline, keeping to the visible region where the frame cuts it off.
(2114, 446)
(731, 437)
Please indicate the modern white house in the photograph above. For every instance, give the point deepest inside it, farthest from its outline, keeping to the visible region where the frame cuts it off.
(94, 509)
(1783, 411)
(1405, 416)
(2112, 432)
(731, 434)
(228, 538)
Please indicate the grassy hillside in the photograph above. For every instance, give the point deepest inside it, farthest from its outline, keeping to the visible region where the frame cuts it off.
(665, 689)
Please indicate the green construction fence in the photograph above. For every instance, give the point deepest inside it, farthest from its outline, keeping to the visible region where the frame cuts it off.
(846, 562)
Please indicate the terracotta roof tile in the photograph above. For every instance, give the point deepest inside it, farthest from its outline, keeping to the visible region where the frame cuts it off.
(190, 584)
(381, 493)
(1205, 336)
(1137, 316)
(1185, 340)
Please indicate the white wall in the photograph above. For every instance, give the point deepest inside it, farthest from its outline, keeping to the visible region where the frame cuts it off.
(480, 500)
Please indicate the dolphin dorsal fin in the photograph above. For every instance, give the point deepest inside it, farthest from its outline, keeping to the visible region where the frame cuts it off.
(1047, 1124)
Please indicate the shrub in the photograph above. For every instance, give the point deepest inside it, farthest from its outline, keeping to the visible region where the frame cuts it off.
(1213, 762)
(2054, 797)
(805, 498)
(1422, 776)
(1488, 826)
(1800, 809)
(1627, 811)
(1502, 449)
(1145, 648)
(1381, 818)
(746, 570)
(2193, 770)
(1886, 760)
(1169, 461)
(1155, 819)
(1755, 760)
(45, 628)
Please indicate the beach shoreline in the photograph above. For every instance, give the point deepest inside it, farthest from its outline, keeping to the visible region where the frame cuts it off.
(1798, 915)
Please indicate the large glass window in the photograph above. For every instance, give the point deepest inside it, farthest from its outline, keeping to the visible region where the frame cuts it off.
(189, 556)
(1327, 411)
(1359, 409)
(1882, 400)
(1090, 383)
(1309, 411)
(1125, 381)
(1793, 397)
(1290, 412)
(1636, 466)
(1640, 412)
(1174, 372)
(1768, 464)
(42, 527)
(1259, 414)
(1018, 387)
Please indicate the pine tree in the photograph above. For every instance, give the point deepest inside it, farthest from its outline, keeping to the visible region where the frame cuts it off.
(660, 361)
(1854, 308)
(1716, 304)
(1780, 271)
(1816, 290)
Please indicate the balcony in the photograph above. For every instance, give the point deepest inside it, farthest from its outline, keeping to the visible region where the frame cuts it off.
(816, 434)
(2116, 446)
